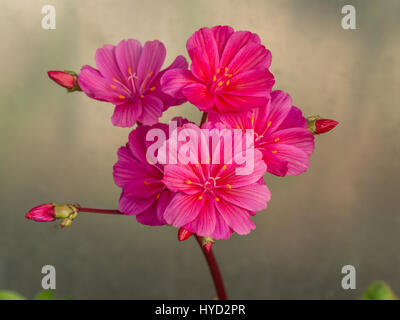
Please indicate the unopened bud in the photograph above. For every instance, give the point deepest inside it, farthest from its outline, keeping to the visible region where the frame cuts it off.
(317, 125)
(66, 79)
(184, 234)
(42, 213)
(51, 211)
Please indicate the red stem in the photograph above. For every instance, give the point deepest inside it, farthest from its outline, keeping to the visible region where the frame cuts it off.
(214, 269)
(104, 211)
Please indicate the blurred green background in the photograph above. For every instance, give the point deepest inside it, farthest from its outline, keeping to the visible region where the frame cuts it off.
(59, 147)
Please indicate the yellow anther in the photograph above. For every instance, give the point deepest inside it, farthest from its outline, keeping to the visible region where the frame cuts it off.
(146, 183)
(158, 196)
(218, 70)
(220, 83)
(122, 97)
(274, 151)
(112, 86)
(129, 70)
(269, 123)
(214, 78)
(237, 127)
(252, 120)
(142, 96)
(228, 82)
(197, 164)
(152, 88)
(151, 73)
(217, 199)
(224, 166)
(226, 69)
(200, 197)
(277, 139)
(115, 80)
(188, 181)
(229, 186)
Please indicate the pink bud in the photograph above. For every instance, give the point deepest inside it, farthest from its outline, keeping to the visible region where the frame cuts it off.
(318, 125)
(42, 213)
(66, 79)
(184, 234)
(324, 125)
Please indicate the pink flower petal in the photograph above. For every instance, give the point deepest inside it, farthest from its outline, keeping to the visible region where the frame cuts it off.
(173, 81)
(203, 51)
(204, 223)
(181, 178)
(149, 217)
(126, 115)
(251, 56)
(133, 206)
(222, 229)
(222, 35)
(237, 41)
(151, 60)
(95, 86)
(199, 95)
(236, 217)
(183, 209)
(252, 197)
(128, 54)
(107, 64)
(152, 110)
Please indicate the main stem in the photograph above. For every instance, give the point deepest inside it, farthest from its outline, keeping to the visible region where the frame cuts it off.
(214, 269)
(209, 255)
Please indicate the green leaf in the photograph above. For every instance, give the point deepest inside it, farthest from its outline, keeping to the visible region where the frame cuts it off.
(45, 295)
(378, 291)
(10, 295)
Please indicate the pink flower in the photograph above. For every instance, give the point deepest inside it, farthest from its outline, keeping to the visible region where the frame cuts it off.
(143, 191)
(129, 77)
(212, 200)
(280, 134)
(229, 71)
(42, 213)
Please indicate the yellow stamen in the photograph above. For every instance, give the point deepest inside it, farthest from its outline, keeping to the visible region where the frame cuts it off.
(220, 83)
(188, 181)
(228, 82)
(122, 97)
(129, 70)
(237, 127)
(274, 151)
(142, 96)
(115, 80)
(158, 196)
(152, 88)
(151, 73)
(200, 197)
(229, 186)
(226, 69)
(215, 78)
(224, 166)
(218, 70)
(277, 139)
(269, 123)
(197, 164)
(112, 86)
(216, 199)
(252, 120)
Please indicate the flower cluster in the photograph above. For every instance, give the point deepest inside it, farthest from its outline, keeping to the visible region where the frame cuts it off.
(230, 81)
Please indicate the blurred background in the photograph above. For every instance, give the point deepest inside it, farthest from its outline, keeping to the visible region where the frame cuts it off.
(59, 147)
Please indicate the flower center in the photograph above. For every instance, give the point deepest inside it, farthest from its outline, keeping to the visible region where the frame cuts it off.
(220, 79)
